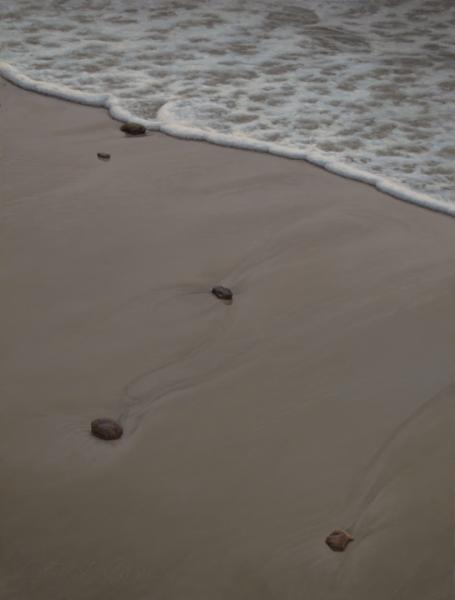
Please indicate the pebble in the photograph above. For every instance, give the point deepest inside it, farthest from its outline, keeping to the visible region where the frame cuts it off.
(338, 540)
(133, 129)
(223, 293)
(103, 156)
(106, 429)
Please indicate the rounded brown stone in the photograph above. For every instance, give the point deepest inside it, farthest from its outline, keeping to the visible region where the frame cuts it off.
(133, 129)
(338, 540)
(106, 429)
(222, 293)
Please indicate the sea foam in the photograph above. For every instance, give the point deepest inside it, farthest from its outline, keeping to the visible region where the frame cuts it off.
(363, 89)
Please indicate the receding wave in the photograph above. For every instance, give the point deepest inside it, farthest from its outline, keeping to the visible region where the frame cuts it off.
(363, 89)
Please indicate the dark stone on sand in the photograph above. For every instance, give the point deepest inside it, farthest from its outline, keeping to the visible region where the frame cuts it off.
(103, 156)
(338, 540)
(223, 293)
(133, 129)
(106, 429)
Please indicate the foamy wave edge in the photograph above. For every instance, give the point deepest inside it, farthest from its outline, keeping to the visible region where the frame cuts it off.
(165, 124)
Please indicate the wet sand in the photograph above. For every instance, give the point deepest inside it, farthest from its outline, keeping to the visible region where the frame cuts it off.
(321, 398)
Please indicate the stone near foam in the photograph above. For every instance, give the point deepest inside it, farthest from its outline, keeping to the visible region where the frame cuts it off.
(133, 129)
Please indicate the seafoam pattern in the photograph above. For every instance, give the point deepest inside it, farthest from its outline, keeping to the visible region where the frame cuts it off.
(364, 87)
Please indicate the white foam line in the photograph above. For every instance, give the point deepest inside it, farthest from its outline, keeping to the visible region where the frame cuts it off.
(165, 124)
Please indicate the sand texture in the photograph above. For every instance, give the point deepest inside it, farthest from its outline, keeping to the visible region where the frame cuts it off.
(321, 398)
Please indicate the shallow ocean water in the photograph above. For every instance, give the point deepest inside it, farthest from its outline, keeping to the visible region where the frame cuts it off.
(363, 87)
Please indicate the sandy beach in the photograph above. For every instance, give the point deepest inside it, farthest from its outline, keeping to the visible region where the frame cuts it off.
(321, 398)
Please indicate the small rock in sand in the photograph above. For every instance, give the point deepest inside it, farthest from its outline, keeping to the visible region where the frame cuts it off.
(106, 429)
(223, 293)
(133, 129)
(338, 540)
(103, 156)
